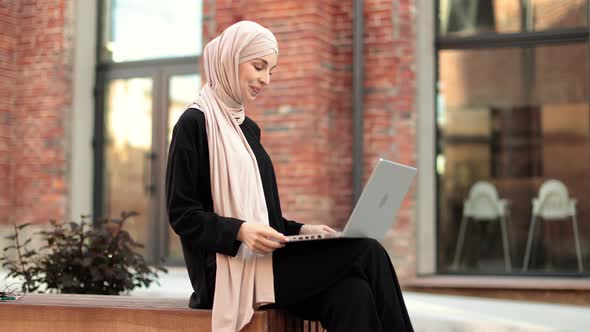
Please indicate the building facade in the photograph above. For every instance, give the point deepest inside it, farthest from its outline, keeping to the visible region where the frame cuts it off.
(493, 93)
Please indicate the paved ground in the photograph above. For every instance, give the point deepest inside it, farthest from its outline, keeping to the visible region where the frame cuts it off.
(442, 313)
(456, 313)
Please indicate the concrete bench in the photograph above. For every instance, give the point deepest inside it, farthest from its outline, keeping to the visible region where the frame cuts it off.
(73, 313)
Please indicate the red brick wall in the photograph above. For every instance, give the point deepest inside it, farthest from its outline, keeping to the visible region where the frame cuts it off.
(42, 97)
(8, 36)
(307, 114)
(339, 118)
(389, 118)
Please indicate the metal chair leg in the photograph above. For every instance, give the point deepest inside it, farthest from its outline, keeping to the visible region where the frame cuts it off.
(507, 261)
(576, 238)
(527, 254)
(460, 242)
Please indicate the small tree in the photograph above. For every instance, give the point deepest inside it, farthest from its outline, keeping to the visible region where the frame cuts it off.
(81, 258)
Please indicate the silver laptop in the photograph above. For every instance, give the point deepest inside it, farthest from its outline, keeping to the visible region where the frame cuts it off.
(376, 209)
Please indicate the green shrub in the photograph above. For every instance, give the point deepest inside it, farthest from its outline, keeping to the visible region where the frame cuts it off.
(80, 258)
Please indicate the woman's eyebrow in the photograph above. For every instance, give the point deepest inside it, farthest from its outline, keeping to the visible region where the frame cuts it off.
(266, 63)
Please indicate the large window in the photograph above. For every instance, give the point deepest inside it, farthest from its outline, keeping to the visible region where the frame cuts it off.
(473, 17)
(513, 137)
(147, 73)
(135, 30)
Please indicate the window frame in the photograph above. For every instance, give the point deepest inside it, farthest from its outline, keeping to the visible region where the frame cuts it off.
(160, 70)
(429, 43)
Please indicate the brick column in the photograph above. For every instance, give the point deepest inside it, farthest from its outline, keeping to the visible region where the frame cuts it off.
(390, 119)
(42, 97)
(8, 72)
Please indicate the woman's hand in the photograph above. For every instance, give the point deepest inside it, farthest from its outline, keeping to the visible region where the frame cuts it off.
(315, 229)
(261, 239)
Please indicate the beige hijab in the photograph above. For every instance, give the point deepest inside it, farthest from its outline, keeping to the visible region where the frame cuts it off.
(244, 282)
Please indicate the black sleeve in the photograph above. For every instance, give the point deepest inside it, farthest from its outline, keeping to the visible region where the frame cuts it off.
(292, 227)
(188, 194)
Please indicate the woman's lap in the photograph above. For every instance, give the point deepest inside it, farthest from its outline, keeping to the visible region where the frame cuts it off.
(325, 280)
(304, 269)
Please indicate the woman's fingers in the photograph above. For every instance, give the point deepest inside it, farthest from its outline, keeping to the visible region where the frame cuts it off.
(316, 229)
(328, 229)
(267, 240)
(269, 243)
(271, 234)
(266, 246)
(261, 238)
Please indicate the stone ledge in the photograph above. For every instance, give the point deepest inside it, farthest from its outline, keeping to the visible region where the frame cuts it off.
(73, 313)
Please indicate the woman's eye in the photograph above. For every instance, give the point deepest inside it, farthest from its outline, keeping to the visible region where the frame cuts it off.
(258, 68)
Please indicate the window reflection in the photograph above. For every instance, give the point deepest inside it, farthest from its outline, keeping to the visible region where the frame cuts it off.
(183, 91)
(151, 29)
(128, 133)
(548, 14)
(515, 118)
(470, 17)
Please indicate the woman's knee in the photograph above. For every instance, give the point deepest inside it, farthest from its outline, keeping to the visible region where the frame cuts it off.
(374, 258)
(373, 246)
(372, 243)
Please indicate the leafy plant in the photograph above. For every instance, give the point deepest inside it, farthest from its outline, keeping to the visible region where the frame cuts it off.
(24, 265)
(81, 258)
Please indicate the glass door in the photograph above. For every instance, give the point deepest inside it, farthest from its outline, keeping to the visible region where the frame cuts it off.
(182, 87)
(148, 57)
(140, 108)
(128, 154)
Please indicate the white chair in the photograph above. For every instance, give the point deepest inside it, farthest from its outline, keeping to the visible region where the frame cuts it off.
(483, 204)
(553, 203)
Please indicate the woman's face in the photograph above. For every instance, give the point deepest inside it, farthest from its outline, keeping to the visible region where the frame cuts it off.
(254, 75)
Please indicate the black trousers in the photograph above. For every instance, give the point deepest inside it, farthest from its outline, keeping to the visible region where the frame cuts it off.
(346, 284)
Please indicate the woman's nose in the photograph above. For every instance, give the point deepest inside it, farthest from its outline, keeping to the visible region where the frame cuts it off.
(265, 78)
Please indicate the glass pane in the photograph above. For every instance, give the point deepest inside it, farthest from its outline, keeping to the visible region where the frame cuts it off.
(470, 17)
(551, 14)
(514, 118)
(183, 91)
(139, 29)
(128, 133)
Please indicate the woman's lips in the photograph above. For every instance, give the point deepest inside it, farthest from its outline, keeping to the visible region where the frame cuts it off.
(256, 90)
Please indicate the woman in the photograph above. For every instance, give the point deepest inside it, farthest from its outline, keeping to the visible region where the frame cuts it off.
(223, 202)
